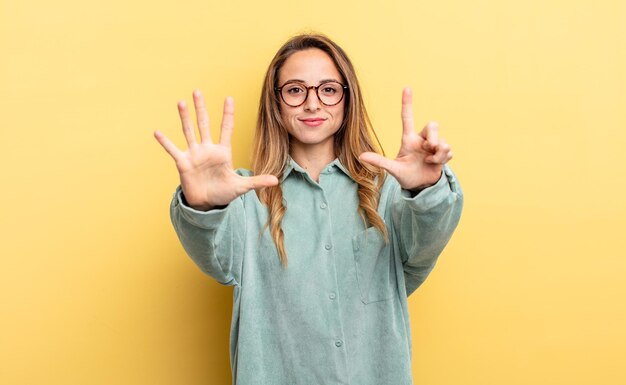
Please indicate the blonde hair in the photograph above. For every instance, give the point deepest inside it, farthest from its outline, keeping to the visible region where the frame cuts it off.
(271, 141)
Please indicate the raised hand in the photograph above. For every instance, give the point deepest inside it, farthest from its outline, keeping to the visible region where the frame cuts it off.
(206, 172)
(421, 158)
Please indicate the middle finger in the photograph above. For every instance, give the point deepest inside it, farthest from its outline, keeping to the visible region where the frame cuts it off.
(202, 117)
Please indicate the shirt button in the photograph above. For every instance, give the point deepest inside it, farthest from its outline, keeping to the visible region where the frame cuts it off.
(328, 246)
(332, 295)
(338, 343)
(323, 206)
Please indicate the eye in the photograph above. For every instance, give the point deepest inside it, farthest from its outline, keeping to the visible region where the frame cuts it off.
(329, 89)
(294, 89)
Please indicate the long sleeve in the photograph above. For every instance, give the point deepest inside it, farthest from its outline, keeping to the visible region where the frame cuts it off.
(424, 225)
(213, 239)
(338, 313)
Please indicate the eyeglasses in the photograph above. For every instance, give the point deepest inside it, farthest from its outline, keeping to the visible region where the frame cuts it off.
(294, 94)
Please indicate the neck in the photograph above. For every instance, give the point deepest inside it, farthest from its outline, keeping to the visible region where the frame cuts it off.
(313, 158)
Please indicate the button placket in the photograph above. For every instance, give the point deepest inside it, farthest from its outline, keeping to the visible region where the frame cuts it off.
(328, 248)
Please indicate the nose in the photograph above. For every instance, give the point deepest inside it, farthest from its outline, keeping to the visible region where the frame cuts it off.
(312, 103)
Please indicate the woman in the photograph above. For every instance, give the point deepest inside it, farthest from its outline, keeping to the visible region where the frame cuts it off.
(326, 239)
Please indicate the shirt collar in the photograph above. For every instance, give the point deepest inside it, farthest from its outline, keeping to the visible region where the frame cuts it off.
(292, 165)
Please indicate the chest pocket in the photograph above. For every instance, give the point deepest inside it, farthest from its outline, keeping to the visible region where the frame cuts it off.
(374, 266)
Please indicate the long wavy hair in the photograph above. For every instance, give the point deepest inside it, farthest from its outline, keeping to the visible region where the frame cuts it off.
(271, 140)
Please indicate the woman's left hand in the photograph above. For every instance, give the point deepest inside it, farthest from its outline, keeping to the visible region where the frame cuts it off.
(421, 158)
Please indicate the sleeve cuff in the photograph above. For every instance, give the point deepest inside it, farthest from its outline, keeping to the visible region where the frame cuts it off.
(446, 188)
(205, 219)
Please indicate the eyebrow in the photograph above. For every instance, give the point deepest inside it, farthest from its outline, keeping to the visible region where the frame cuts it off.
(303, 82)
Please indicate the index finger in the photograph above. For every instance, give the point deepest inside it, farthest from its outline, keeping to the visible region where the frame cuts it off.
(407, 110)
(228, 121)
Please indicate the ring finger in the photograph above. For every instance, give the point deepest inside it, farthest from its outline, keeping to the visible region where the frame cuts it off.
(188, 128)
(443, 154)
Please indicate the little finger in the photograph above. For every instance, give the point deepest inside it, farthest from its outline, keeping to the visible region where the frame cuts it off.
(167, 145)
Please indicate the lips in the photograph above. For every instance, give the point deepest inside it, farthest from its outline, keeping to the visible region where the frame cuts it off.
(312, 121)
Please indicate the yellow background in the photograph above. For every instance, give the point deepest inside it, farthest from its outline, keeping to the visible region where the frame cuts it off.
(96, 289)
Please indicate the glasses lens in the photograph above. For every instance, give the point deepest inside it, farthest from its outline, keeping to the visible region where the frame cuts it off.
(294, 93)
(330, 93)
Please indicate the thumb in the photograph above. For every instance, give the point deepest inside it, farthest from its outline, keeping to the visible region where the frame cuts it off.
(262, 181)
(377, 160)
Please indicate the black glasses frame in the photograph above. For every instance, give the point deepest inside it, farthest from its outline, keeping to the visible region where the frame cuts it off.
(308, 89)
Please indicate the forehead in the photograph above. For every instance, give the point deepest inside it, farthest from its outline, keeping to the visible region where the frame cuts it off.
(311, 66)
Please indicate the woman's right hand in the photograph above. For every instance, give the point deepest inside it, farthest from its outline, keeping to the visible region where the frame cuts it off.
(206, 171)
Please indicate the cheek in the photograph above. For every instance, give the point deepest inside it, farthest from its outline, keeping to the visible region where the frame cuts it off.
(287, 119)
(339, 113)
(284, 113)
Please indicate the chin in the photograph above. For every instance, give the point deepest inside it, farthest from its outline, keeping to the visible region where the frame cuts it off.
(312, 141)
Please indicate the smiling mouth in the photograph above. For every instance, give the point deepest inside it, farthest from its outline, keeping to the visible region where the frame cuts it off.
(313, 121)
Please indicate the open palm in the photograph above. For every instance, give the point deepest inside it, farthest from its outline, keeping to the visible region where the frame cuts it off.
(205, 168)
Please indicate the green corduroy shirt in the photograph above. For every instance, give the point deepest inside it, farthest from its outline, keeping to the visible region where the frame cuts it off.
(338, 313)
